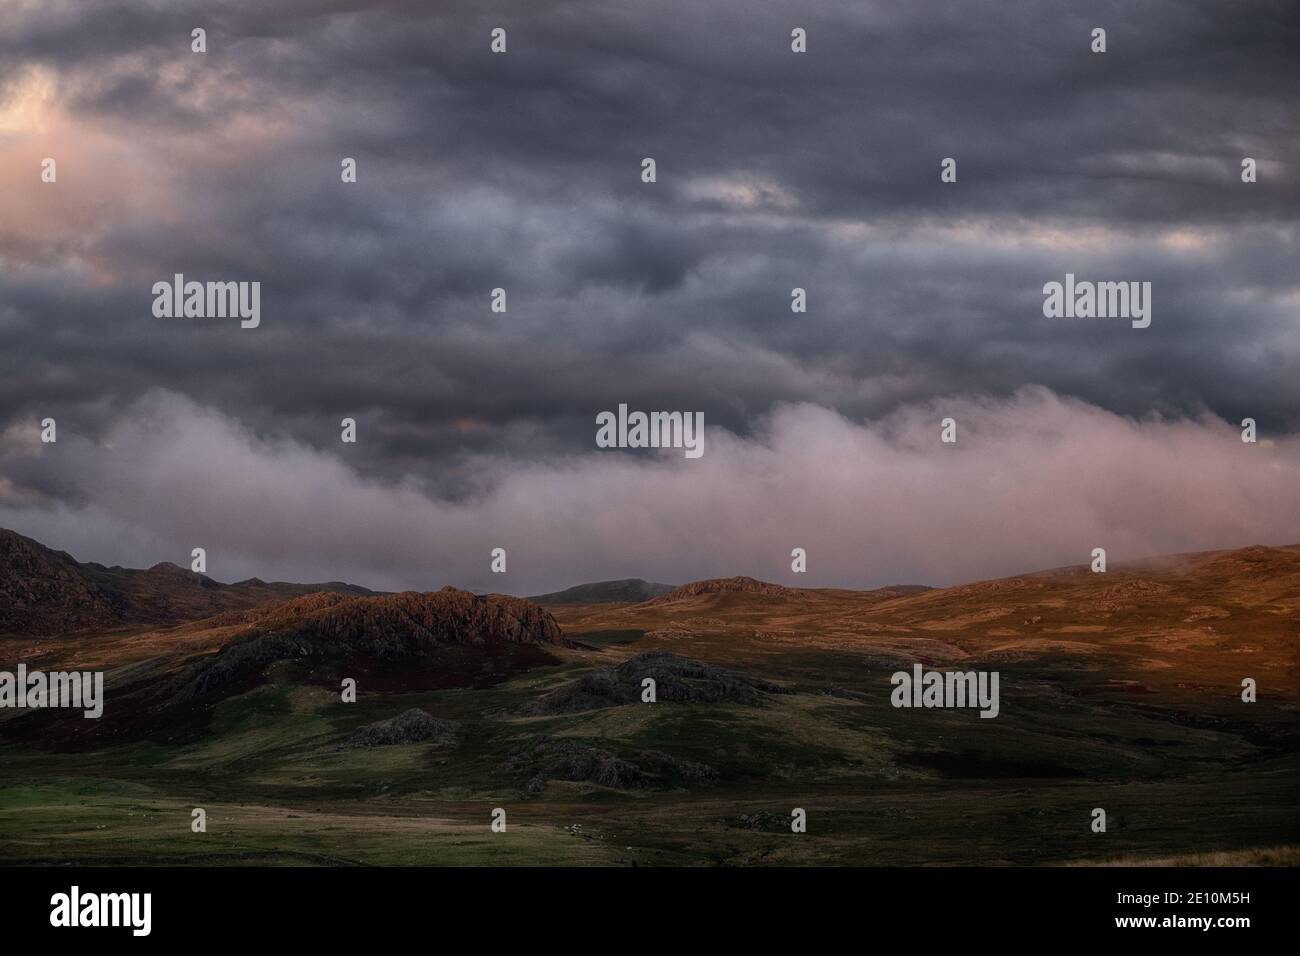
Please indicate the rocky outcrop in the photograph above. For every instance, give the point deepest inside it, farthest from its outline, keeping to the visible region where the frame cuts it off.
(574, 761)
(677, 679)
(412, 726)
(389, 629)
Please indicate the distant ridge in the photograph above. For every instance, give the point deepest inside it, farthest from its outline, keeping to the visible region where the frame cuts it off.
(736, 585)
(44, 592)
(742, 584)
(624, 590)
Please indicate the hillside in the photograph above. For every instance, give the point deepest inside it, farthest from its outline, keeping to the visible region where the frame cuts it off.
(390, 635)
(1177, 618)
(1119, 690)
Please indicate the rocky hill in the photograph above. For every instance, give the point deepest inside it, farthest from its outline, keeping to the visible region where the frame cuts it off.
(379, 634)
(404, 624)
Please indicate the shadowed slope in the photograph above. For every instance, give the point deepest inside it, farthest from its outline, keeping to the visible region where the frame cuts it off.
(45, 592)
(625, 591)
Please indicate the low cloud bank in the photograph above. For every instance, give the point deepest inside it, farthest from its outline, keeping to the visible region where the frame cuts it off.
(1034, 481)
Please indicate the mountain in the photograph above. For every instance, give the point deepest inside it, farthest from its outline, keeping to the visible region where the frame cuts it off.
(623, 591)
(44, 592)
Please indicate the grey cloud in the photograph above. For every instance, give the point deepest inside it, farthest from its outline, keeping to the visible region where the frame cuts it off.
(522, 171)
(1034, 481)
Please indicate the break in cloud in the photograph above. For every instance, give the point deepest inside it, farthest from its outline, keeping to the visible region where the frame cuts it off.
(1034, 481)
(522, 171)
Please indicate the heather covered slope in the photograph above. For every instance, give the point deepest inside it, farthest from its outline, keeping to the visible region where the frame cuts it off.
(1119, 690)
(1205, 617)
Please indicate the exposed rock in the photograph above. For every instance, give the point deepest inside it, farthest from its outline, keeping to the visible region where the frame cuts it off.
(562, 758)
(677, 679)
(391, 628)
(1130, 592)
(763, 820)
(412, 726)
(673, 632)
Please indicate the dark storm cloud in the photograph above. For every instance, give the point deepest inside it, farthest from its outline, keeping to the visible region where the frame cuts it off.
(522, 171)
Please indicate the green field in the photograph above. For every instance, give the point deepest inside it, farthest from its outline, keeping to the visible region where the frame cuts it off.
(879, 785)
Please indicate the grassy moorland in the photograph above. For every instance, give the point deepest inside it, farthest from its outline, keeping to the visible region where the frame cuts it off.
(1119, 691)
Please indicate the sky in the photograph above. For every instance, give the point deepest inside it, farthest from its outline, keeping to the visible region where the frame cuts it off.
(522, 171)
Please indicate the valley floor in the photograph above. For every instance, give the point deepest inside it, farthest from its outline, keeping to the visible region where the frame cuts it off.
(693, 783)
